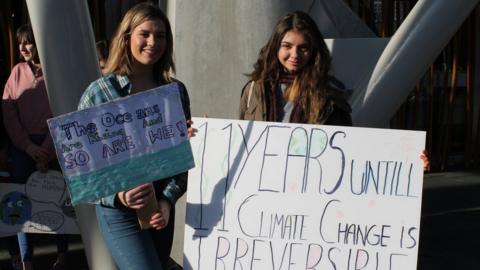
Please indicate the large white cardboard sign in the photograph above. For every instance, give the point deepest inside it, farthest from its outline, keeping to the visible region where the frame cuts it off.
(42, 205)
(121, 144)
(289, 196)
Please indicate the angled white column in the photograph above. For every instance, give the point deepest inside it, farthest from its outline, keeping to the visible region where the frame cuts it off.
(66, 46)
(335, 19)
(414, 46)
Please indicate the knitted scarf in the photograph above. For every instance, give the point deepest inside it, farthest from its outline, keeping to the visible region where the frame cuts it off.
(273, 103)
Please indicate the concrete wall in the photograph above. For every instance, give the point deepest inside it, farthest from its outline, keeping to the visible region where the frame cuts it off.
(216, 42)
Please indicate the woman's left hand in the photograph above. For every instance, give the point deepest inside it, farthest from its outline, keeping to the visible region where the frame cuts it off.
(160, 219)
(426, 160)
(191, 131)
(42, 167)
(37, 153)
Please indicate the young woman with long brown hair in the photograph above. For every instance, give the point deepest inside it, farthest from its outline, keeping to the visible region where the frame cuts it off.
(291, 82)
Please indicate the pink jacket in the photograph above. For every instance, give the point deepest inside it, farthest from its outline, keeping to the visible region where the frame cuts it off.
(26, 108)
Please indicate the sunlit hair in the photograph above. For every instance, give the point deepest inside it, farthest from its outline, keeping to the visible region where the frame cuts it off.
(309, 86)
(119, 59)
(25, 33)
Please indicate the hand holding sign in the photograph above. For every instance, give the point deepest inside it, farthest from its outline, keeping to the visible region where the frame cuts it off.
(191, 130)
(160, 219)
(425, 160)
(136, 197)
(37, 153)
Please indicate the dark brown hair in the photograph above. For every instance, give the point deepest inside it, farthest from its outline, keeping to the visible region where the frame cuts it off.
(309, 87)
(25, 33)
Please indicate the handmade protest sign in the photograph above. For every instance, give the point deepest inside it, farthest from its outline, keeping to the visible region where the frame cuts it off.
(290, 196)
(42, 205)
(119, 145)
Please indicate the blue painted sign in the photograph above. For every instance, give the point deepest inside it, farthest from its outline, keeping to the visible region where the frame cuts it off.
(121, 144)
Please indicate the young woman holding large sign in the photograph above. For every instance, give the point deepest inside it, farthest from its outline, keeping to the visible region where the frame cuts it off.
(141, 58)
(291, 82)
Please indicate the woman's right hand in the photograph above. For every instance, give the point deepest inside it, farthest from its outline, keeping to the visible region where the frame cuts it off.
(191, 131)
(160, 219)
(37, 153)
(136, 197)
(42, 167)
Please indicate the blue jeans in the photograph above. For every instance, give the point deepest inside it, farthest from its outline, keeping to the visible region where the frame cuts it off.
(131, 247)
(22, 167)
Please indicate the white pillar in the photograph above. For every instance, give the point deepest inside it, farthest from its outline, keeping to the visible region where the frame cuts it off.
(216, 42)
(66, 47)
(413, 47)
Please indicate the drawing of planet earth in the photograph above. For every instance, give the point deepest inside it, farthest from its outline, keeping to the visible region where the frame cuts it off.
(15, 208)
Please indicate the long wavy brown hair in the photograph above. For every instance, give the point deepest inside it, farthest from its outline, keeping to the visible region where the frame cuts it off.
(119, 59)
(309, 87)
